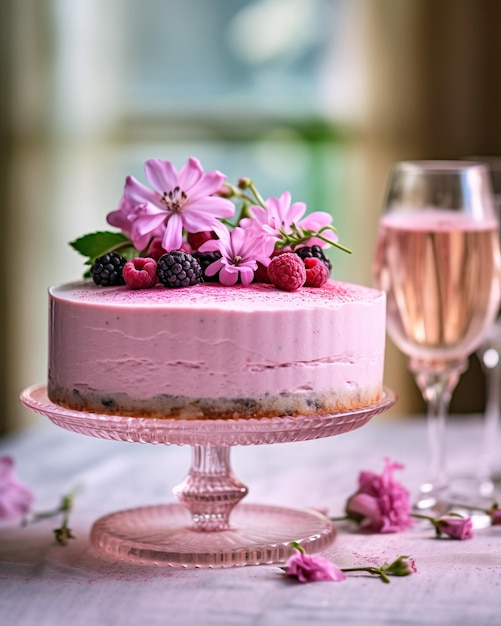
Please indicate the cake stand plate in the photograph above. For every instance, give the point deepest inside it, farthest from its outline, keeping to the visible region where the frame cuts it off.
(209, 527)
(162, 535)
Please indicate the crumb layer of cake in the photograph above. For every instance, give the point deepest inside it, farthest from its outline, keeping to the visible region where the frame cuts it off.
(183, 407)
(211, 351)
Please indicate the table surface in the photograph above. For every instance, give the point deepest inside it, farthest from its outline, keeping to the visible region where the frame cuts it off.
(46, 584)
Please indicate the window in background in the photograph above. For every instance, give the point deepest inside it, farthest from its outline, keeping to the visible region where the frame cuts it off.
(276, 90)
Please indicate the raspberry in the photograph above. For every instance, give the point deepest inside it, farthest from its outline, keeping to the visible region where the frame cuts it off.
(140, 273)
(197, 239)
(261, 274)
(155, 249)
(287, 271)
(178, 269)
(316, 272)
(205, 259)
(107, 270)
(315, 252)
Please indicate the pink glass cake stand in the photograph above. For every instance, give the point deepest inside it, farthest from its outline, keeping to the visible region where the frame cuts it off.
(208, 527)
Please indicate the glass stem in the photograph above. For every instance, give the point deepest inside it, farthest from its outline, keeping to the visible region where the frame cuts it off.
(437, 382)
(491, 425)
(210, 490)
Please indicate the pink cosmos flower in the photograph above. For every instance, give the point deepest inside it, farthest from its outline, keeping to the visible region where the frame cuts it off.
(308, 568)
(381, 504)
(240, 254)
(455, 527)
(280, 214)
(179, 199)
(123, 218)
(15, 498)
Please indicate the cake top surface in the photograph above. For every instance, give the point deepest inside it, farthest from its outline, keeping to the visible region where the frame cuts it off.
(254, 297)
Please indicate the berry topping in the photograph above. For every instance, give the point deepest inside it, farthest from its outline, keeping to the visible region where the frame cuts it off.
(197, 239)
(287, 271)
(140, 273)
(261, 274)
(107, 270)
(317, 273)
(205, 259)
(178, 269)
(314, 252)
(155, 249)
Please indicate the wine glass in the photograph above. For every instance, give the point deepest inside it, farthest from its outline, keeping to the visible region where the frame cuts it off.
(438, 259)
(489, 354)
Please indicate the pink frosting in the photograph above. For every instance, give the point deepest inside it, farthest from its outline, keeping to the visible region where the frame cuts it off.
(213, 341)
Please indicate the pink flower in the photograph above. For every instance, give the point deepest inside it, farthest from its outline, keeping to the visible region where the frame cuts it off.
(381, 504)
(240, 254)
(455, 527)
(178, 200)
(280, 215)
(15, 498)
(495, 514)
(308, 568)
(120, 217)
(402, 566)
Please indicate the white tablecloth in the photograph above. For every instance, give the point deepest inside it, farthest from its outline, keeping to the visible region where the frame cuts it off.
(45, 584)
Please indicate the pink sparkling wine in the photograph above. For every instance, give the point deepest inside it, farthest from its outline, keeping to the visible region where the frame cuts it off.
(441, 273)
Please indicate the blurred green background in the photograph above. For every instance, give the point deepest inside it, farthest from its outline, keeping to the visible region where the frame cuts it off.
(315, 96)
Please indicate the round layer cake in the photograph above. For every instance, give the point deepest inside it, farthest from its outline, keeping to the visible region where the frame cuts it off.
(212, 351)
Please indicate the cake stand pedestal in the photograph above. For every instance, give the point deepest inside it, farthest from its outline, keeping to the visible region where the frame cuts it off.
(208, 527)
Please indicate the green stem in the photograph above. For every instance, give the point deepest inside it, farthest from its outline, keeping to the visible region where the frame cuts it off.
(376, 571)
(243, 196)
(421, 516)
(257, 195)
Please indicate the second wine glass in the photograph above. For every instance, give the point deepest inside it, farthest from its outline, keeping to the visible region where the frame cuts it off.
(438, 259)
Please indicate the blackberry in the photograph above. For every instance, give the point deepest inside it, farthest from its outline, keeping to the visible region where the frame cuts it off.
(205, 259)
(316, 252)
(178, 269)
(107, 270)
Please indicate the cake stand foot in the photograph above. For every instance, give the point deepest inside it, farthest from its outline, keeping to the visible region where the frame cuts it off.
(163, 535)
(198, 531)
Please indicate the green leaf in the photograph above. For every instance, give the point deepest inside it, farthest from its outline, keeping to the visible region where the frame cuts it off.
(94, 245)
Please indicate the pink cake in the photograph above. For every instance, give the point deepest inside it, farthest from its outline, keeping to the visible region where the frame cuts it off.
(216, 351)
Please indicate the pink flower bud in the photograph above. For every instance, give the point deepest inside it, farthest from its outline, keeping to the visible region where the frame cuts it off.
(495, 515)
(455, 527)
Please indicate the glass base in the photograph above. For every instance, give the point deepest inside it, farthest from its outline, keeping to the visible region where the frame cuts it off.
(161, 535)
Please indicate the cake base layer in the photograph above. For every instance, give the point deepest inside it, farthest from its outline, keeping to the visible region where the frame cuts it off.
(183, 407)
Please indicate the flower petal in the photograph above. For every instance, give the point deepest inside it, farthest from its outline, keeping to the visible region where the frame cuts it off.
(190, 174)
(246, 274)
(161, 175)
(173, 236)
(228, 275)
(317, 220)
(136, 193)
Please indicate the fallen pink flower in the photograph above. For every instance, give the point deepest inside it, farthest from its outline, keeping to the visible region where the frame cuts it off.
(15, 498)
(308, 568)
(381, 504)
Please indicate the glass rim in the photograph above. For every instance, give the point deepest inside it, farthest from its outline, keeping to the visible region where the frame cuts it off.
(428, 166)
